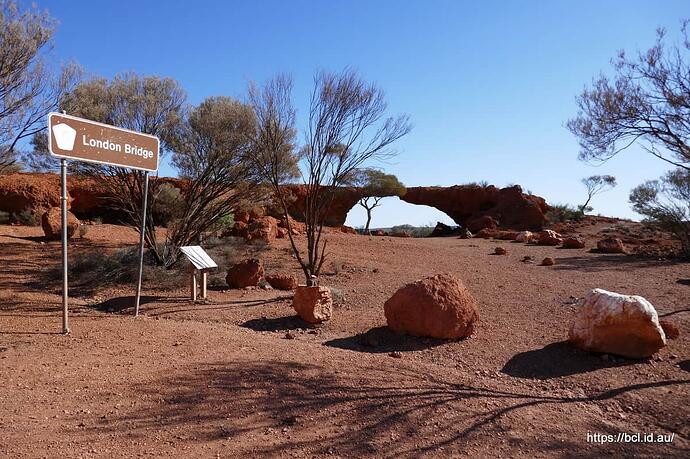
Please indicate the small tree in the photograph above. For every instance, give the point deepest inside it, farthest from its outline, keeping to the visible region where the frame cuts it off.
(667, 202)
(346, 128)
(596, 184)
(147, 104)
(376, 185)
(211, 155)
(647, 102)
(29, 89)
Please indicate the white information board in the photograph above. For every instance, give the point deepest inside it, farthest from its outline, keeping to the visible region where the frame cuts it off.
(198, 257)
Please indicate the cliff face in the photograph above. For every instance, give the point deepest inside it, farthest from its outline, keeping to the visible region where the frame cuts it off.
(468, 205)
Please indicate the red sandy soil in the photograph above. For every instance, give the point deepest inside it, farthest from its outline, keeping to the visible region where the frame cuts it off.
(220, 379)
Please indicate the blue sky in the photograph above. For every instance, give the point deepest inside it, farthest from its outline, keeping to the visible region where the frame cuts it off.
(488, 85)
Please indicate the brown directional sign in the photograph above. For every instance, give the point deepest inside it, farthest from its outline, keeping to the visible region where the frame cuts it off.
(76, 138)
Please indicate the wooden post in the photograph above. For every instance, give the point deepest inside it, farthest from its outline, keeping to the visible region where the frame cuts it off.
(193, 285)
(204, 278)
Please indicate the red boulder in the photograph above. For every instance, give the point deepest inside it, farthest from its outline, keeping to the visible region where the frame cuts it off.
(438, 307)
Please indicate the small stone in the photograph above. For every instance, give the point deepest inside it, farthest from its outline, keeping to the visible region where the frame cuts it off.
(289, 335)
(396, 355)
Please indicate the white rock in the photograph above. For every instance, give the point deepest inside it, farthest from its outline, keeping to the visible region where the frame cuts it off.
(618, 324)
(524, 236)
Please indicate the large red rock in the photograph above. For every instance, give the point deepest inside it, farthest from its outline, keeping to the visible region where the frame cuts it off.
(618, 324)
(512, 208)
(246, 273)
(51, 221)
(313, 304)
(282, 281)
(438, 307)
(549, 237)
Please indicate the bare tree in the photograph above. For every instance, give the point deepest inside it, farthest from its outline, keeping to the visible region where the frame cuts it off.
(212, 158)
(647, 102)
(376, 185)
(346, 128)
(29, 89)
(666, 202)
(596, 184)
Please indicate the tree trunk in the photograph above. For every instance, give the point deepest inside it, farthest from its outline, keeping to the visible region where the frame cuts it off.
(366, 228)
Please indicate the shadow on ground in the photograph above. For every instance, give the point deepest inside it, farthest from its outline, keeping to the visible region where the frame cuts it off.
(122, 304)
(286, 323)
(615, 262)
(556, 360)
(383, 340)
(365, 412)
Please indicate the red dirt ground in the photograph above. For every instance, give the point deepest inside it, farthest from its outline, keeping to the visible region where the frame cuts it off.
(220, 379)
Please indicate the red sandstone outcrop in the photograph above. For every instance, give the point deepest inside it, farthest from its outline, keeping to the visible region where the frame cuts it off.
(510, 207)
(37, 192)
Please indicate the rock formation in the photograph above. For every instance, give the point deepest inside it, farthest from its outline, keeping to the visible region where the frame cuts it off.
(617, 324)
(246, 273)
(510, 207)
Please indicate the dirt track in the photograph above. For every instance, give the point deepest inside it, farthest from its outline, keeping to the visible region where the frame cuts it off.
(221, 379)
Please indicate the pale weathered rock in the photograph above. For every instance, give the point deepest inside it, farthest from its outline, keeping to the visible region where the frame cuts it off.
(611, 245)
(524, 236)
(438, 307)
(313, 304)
(51, 221)
(247, 273)
(617, 324)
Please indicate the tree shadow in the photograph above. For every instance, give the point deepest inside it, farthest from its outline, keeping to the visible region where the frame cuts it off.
(359, 413)
(556, 360)
(287, 323)
(611, 262)
(683, 282)
(123, 304)
(383, 340)
(184, 305)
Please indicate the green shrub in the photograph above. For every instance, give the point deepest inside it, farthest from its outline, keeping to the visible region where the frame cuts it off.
(4, 218)
(26, 217)
(564, 213)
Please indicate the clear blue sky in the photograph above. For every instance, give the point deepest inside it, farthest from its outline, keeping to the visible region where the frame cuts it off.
(488, 85)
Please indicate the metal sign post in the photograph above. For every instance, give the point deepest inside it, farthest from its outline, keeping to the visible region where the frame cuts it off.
(70, 137)
(65, 286)
(141, 241)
